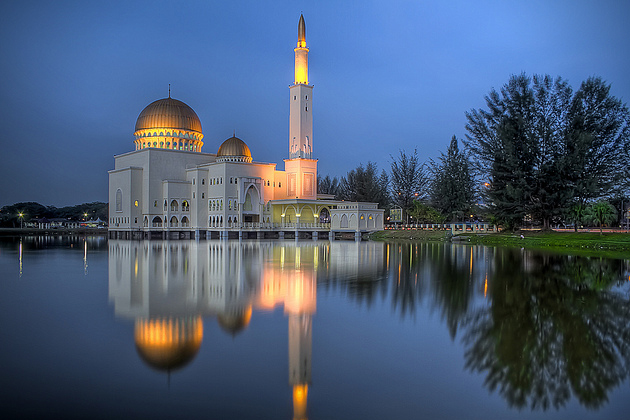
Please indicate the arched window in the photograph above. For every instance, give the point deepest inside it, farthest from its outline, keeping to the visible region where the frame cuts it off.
(185, 222)
(145, 222)
(118, 199)
(174, 205)
(157, 221)
(173, 221)
(165, 205)
(185, 206)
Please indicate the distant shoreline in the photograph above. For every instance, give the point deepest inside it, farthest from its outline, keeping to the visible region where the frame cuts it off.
(51, 231)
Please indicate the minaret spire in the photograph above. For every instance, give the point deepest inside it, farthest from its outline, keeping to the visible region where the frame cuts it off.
(301, 55)
(301, 33)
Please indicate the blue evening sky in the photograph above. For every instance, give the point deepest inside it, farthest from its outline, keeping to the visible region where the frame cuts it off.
(388, 75)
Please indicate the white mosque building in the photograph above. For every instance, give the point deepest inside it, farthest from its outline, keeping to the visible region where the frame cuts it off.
(168, 188)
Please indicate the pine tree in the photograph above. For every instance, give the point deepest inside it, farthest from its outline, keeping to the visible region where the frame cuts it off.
(452, 189)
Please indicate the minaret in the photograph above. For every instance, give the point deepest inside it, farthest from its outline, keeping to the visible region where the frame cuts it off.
(301, 175)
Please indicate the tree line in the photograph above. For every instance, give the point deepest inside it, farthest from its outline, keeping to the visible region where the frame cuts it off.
(31, 211)
(538, 153)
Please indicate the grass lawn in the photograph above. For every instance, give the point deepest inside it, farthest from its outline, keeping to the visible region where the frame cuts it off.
(591, 243)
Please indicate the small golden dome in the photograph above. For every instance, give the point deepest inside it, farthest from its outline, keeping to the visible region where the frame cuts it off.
(168, 344)
(236, 321)
(234, 149)
(168, 113)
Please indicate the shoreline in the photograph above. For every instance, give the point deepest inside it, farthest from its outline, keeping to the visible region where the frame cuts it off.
(5, 232)
(591, 243)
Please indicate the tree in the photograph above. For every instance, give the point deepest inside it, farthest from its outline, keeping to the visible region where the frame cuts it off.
(452, 188)
(330, 186)
(422, 213)
(541, 147)
(598, 140)
(601, 212)
(364, 184)
(408, 176)
(576, 215)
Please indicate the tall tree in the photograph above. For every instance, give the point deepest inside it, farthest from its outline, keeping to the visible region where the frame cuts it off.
(541, 147)
(330, 186)
(452, 187)
(599, 141)
(408, 176)
(364, 184)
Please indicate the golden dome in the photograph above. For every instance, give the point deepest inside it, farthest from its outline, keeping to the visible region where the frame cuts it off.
(168, 344)
(168, 113)
(236, 321)
(234, 149)
(168, 124)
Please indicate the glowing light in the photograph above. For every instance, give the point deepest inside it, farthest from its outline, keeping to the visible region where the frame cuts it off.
(85, 264)
(300, 395)
(20, 251)
(485, 287)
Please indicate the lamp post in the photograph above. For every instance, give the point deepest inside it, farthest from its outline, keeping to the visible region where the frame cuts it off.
(21, 216)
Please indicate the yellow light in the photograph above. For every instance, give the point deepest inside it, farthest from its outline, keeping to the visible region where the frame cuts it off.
(300, 395)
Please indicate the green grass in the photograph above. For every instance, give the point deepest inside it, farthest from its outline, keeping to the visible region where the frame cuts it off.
(412, 235)
(615, 245)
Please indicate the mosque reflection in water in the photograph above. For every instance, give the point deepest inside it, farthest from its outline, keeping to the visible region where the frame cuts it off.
(168, 288)
(540, 328)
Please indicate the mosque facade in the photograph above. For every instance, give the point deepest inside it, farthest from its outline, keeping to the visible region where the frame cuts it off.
(168, 188)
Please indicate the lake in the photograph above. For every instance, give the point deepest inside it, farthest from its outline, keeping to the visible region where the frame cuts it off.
(93, 328)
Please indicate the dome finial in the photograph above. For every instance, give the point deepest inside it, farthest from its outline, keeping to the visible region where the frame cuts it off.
(169, 90)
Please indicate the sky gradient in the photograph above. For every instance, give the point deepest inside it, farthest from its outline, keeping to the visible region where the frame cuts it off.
(387, 75)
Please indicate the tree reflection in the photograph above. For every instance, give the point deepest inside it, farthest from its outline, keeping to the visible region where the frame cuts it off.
(408, 271)
(555, 327)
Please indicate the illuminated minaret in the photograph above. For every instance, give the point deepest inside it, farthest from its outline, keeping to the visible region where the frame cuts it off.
(301, 168)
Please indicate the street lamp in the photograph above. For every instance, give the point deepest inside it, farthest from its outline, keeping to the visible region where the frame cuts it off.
(21, 216)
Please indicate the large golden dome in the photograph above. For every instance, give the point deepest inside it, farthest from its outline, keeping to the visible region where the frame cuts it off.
(167, 343)
(234, 150)
(168, 113)
(168, 124)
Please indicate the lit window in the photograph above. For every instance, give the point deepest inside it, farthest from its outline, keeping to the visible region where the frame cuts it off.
(135, 203)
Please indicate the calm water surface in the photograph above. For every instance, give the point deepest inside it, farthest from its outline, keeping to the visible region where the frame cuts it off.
(321, 330)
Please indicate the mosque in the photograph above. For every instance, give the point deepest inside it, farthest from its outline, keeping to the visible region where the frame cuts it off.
(168, 188)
